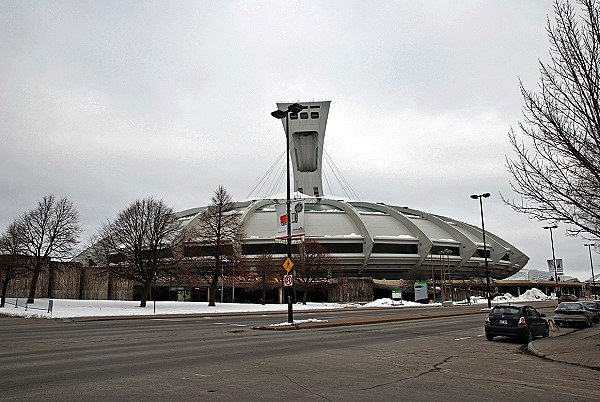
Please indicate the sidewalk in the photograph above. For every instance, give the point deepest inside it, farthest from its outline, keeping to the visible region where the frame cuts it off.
(573, 346)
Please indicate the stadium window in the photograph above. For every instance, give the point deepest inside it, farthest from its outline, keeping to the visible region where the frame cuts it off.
(304, 115)
(293, 116)
(386, 248)
(314, 115)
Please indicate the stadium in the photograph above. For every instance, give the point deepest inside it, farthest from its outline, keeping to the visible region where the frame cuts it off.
(367, 239)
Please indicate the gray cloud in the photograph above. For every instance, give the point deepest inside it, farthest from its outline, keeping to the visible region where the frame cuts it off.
(106, 102)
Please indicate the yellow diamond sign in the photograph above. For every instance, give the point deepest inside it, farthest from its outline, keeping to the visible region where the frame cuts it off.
(288, 264)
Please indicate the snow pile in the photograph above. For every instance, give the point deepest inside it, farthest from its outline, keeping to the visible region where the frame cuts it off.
(296, 322)
(534, 294)
(386, 302)
(530, 295)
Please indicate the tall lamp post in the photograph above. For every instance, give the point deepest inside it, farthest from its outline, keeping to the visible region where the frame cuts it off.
(556, 287)
(281, 114)
(432, 275)
(487, 271)
(589, 246)
(444, 253)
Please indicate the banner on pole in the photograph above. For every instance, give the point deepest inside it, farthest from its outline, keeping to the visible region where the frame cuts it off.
(297, 219)
(559, 267)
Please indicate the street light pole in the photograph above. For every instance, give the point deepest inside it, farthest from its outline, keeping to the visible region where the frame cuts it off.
(487, 271)
(589, 246)
(432, 275)
(556, 287)
(280, 114)
(445, 252)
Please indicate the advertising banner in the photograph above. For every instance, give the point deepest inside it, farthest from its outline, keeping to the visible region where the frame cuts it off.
(297, 219)
(559, 267)
(421, 291)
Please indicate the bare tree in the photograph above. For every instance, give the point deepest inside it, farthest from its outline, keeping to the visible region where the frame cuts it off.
(314, 269)
(265, 272)
(13, 262)
(217, 236)
(49, 232)
(144, 243)
(557, 170)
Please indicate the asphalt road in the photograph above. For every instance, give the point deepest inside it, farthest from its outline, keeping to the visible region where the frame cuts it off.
(223, 358)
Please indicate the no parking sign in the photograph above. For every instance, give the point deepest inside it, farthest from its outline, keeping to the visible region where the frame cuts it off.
(288, 280)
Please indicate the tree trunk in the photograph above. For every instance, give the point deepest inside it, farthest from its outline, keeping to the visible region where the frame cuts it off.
(146, 293)
(212, 294)
(81, 283)
(51, 280)
(264, 295)
(32, 289)
(305, 296)
(3, 297)
(109, 290)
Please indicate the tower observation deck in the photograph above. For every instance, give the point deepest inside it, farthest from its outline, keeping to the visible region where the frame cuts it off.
(306, 137)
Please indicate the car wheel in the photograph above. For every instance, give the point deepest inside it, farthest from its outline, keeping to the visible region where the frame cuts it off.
(546, 332)
(529, 335)
(489, 337)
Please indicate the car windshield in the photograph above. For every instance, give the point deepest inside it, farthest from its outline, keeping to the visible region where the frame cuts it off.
(590, 305)
(505, 310)
(569, 306)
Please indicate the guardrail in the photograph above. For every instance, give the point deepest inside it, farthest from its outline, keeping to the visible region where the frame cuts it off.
(28, 306)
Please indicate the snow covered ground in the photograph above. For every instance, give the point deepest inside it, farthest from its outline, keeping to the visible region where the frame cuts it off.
(69, 308)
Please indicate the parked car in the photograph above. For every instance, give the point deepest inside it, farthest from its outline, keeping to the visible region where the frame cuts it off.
(565, 297)
(520, 321)
(594, 307)
(572, 313)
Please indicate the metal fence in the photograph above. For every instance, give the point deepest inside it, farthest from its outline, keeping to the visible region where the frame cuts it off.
(22, 303)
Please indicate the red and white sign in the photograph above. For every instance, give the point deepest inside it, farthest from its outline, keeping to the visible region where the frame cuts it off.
(288, 280)
(297, 221)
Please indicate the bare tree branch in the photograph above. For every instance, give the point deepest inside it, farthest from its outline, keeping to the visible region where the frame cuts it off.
(218, 235)
(144, 243)
(13, 262)
(49, 232)
(556, 167)
(315, 267)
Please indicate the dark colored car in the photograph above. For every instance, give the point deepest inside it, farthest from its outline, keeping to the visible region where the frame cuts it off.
(565, 297)
(523, 322)
(574, 313)
(594, 307)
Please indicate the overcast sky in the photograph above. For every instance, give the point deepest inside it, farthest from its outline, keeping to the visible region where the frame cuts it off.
(105, 102)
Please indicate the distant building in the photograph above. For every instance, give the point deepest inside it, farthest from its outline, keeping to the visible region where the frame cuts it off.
(537, 275)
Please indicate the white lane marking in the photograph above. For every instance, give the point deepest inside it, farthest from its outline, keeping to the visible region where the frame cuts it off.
(463, 338)
(166, 319)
